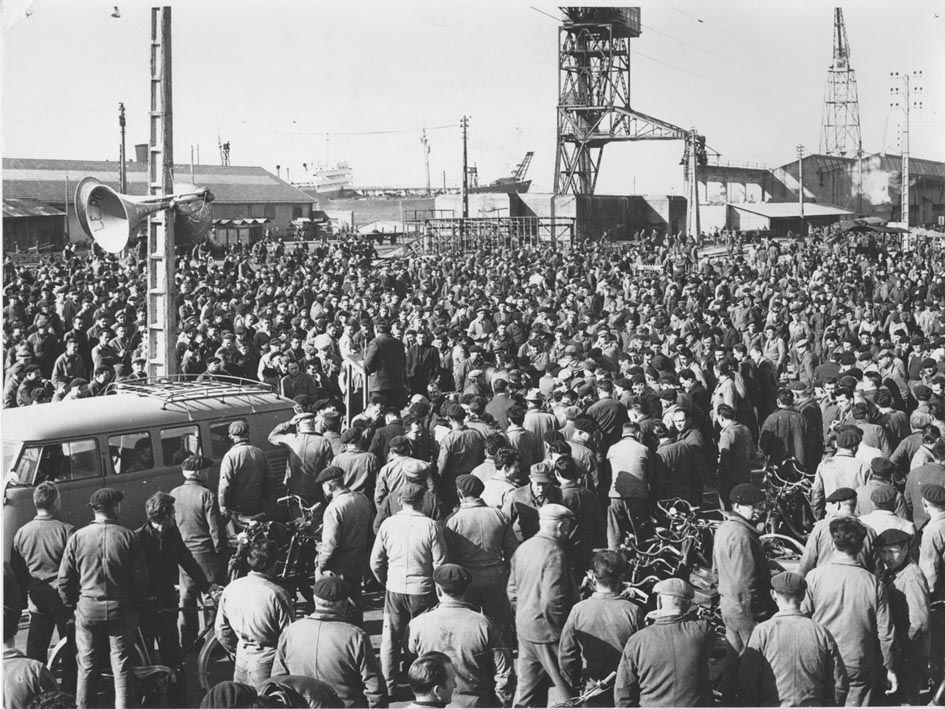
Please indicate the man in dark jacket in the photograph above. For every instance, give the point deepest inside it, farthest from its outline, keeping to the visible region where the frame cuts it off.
(385, 360)
(744, 577)
(328, 647)
(784, 432)
(542, 591)
(667, 663)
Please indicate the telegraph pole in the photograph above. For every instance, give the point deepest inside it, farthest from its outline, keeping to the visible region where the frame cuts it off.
(426, 158)
(465, 124)
(693, 158)
(800, 182)
(901, 100)
(122, 166)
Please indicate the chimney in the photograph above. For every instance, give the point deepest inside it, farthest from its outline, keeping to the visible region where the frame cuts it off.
(141, 153)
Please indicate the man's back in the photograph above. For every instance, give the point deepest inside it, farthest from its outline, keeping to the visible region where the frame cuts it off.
(483, 665)
(244, 479)
(345, 531)
(595, 635)
(408, 547)
(479, 536)
(40, 544)
(851, 603)
(666, 664)
(541, 588)
(739, 559)
(336, 652)
(198, 517)
(792, 661)
(928, 474)
(631, 464)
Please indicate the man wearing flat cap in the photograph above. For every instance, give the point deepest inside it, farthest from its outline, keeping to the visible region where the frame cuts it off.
(542, 591)
(360, 466)
(908, 595)
(245, 481)
(346, 530)
(309, 454)
(481, 540)
(819, 547)
(522, 506)
(932, 564)
(852, 604)
(483, 664)
(744, 576)
(327, 646)
(197, 516)
(884, 515)
(932, 473)
(881, 473)
(461, 450)
(791, 660)
(103, 576)
(843, 469)
(667, 664)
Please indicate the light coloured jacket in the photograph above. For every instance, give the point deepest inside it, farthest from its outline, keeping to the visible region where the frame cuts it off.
(409, 546)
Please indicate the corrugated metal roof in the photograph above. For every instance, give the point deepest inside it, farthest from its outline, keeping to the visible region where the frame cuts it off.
(20, 208)
(52, 180)
(890, 163)
(781, 210)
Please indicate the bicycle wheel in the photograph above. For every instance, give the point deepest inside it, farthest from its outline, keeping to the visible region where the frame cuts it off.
(214, 664)
(64, 652)
(800, 518)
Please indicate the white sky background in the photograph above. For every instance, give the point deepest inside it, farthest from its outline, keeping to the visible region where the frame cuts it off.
(274, 77)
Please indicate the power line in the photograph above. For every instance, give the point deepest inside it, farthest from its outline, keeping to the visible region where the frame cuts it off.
(701, 76)
(700, 49)
(344, 133)
(716, 27)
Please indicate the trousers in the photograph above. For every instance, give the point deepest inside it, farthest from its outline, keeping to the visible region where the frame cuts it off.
(538, 674)
(487, 592)
(91, 639)
(738, 627)
(190, 596)
(399, 610)
(626, 515)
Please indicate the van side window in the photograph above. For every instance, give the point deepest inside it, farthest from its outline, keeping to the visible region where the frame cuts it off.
(131, 452)
(220, 441)
(59, 462)
(179, 442)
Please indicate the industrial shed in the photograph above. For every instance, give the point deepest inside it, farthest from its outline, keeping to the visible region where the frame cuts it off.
(28, 224)
(782, 217)
(240, 192)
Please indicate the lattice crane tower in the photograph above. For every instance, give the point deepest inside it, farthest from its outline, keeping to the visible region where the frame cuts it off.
(594, 94)
(841, 123)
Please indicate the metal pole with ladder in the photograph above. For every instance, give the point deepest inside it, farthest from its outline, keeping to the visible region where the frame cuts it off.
(162, 310)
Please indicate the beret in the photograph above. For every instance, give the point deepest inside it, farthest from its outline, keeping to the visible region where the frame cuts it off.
(848, 439)
(680, 588)
(452, 578)
(196, 462)
(847, 358)
(584, 424)
(331, 589)
(935, 494)
(553, 511)
(105, 497)
(332, 472)
(351, 434)
(470, 485)
(788, 582)
(892, 536)
(922, 392)
(882, 466)
(842, 494)
(747, 494)
(884, 496)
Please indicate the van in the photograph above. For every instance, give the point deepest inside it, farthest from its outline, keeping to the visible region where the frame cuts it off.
(133, 440)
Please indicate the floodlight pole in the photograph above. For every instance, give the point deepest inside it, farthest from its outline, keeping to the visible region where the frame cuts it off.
(162, 310)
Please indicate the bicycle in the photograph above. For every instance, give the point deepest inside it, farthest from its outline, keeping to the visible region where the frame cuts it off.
(787, 493)
(152, 680)
(295, 571)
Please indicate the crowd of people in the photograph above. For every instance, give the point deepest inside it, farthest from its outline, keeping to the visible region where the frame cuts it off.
(525, 410)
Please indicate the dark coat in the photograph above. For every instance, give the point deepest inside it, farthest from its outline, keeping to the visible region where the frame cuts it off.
(386, 362)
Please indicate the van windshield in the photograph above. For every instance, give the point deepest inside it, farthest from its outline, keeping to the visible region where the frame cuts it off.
(10, 450)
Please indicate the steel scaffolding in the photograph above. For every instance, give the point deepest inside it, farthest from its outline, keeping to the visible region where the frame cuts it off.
(458, 235)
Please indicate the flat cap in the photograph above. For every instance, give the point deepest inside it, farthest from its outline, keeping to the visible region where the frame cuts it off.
(331, 589)
(540, 475)
(747, 494)
(892, 536)
(554, 512)
(680, 588)
(238, 428)
(934, 493)
(411, 493)
(196, 462)
(469, 485)
(105, 497)
(789, 583)
(454, 411)
(534, 395)
(332, 472)
(414, 468)
(452, 578)
(802, 342)
(797, 386)
(884, 497)
(842, 494)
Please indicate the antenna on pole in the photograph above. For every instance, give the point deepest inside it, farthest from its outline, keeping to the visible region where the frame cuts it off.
(465, 125)
(122, 164)
(426, 157)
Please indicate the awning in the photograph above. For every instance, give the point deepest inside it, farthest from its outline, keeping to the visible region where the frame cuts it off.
(240, 223)
(873, 225)
(20, 208)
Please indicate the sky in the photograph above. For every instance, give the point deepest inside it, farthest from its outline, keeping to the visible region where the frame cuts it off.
(274, 78)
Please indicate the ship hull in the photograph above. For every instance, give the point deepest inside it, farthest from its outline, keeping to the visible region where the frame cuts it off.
(502, 188)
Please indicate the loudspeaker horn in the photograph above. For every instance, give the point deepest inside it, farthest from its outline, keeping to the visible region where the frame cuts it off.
(111, 218)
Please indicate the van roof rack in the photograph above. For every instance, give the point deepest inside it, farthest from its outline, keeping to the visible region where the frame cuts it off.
(179, 388)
